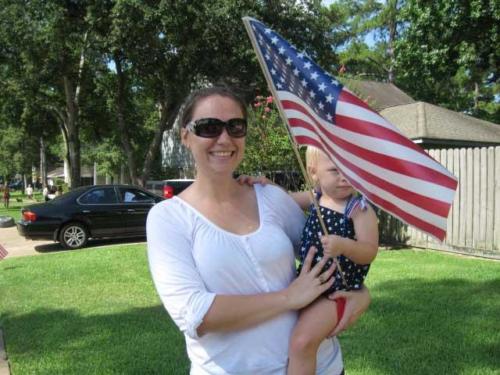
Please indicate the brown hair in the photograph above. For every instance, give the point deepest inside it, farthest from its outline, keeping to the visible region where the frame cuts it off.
(196, 96)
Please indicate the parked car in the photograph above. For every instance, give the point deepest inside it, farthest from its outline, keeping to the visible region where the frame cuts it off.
(99, 211)
(168, 188)
(16, 185)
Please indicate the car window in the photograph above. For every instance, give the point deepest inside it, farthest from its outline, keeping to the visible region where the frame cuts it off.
(130, 195)
(99, 196)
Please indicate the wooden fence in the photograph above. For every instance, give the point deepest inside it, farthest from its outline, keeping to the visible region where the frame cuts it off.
(474, 220)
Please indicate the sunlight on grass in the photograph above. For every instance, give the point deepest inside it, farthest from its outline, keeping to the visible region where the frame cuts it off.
(17, 201)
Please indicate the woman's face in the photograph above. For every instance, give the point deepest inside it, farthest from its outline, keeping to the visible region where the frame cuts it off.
(219, 155)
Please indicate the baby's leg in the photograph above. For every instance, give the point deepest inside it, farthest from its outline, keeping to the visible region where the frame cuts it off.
(315, 323)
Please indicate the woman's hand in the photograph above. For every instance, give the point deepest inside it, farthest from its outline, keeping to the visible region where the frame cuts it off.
(310, 283)
(252, 180)
(357, 303)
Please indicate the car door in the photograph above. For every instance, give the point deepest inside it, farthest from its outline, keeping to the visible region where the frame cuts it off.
(137, 204)
(102, 212)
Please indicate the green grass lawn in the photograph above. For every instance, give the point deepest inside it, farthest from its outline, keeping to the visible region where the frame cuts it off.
(95, 311)
(14, 209)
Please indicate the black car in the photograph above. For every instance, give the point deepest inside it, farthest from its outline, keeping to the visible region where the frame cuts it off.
(98, 211)
(16, 185)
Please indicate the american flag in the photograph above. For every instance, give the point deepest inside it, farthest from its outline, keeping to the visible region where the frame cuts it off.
(3, 252)
(378, 160)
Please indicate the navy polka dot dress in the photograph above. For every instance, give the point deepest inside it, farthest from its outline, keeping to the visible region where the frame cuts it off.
(339, 224)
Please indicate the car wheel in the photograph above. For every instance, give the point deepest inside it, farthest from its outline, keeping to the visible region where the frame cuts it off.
(73, 236)
(6, 221)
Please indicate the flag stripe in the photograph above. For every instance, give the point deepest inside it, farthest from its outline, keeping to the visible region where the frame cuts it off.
(348, 97)
(433, 191)
(396, 150)
(436, 229)
(3, 252)
(370, 129)
(434, 206)
(416, 203)
(397, 165)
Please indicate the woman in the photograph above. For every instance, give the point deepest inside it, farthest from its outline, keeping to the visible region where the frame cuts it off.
(221, 254)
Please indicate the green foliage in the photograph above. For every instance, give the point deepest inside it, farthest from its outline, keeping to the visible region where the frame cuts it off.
(449, 54)
(268, 145)
(382, 22)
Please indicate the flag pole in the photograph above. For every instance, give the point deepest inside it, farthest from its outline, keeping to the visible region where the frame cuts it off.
(295, 148)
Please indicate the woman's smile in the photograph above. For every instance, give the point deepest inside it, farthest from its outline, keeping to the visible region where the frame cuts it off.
(222, 154)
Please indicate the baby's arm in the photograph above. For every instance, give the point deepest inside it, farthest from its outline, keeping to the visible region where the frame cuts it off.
(362, 250)
(302, 198)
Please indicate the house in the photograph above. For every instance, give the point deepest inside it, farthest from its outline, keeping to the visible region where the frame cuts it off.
(427, 124)
(86, 173)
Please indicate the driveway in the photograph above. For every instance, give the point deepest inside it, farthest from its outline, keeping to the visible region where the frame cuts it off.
(18, 246)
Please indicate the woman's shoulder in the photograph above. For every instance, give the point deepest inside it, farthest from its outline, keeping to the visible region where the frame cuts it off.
(171, 211)
(272, 191)
(277, 200)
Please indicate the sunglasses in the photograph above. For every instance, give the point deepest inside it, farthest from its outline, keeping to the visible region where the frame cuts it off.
(213, 127)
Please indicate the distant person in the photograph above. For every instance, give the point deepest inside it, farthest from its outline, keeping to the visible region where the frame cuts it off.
(29, 192)
(59, 191)
(45, 193)
(52, 192)
(6, 196)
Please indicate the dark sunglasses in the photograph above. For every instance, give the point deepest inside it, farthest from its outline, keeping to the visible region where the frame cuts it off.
(213, 127)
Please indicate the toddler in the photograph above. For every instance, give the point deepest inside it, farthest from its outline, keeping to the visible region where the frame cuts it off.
(352, 239)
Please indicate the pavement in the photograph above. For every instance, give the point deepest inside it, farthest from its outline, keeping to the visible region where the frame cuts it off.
(18, 246)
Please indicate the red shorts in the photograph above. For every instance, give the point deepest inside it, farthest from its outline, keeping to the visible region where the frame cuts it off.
(340, 308)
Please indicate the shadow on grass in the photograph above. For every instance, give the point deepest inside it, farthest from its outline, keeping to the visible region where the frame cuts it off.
(51, 341)
(56, 246)
(416, 326)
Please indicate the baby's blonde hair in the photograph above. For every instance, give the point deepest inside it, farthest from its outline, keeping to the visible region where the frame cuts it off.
(312, 156)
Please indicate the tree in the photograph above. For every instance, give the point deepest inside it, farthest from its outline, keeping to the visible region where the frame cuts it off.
(382, 22)
(49, 41)
(449, 54)
(161, 51)
(268, 146)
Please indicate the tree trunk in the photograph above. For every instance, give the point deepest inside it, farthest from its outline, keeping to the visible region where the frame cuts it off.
(43, 164)
(72, 134)
(476, 97)
(168, 114)
(392, 38)
(70, 126)
(120, 112)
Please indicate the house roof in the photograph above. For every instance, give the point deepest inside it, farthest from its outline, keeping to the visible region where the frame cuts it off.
(421, 120)
(379, 95)
(59, 172)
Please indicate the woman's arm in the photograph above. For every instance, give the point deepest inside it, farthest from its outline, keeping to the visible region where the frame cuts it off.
(302, 198)
(229, 313)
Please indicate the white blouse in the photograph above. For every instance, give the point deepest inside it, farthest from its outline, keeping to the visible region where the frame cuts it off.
(192, 259)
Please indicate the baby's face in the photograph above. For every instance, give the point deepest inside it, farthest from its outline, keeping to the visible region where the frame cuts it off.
(330, 180)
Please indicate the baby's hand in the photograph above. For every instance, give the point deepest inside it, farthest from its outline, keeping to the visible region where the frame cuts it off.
(331, 246)
(252, 180)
